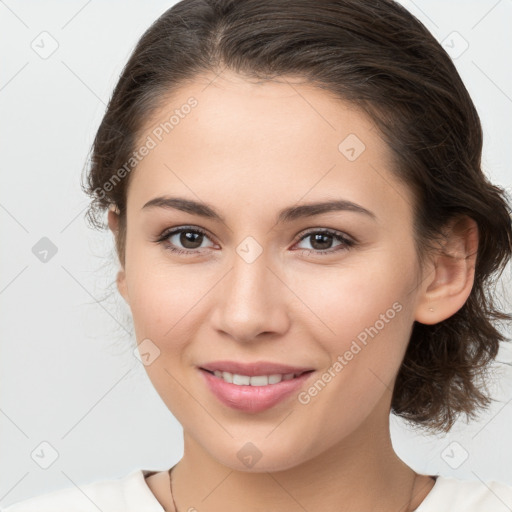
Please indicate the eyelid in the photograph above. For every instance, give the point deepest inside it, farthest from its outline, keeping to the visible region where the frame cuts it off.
(329, 231)
(347, 242)
(178, 229)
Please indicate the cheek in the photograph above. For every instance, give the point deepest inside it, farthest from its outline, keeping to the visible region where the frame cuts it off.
(369, 322)
(350, 299)
(366, 318)
(165, 299)
(163, 304)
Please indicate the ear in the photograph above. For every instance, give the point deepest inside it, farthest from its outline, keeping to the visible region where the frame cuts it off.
(113, 224)
(450, 273)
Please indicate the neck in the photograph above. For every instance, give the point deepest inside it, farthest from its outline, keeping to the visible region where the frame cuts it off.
(361, 473)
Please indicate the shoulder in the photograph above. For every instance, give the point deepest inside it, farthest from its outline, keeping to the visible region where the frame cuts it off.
(454, 495)
(130, 493)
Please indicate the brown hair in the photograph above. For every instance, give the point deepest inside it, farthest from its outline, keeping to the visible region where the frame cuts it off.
(377, 55)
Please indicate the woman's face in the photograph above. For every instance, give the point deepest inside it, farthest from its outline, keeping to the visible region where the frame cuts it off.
(256, 287)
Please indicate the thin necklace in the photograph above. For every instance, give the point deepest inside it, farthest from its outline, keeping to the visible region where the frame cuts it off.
(172, 494)
(176, 508)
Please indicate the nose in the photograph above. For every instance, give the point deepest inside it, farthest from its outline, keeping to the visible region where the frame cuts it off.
(251, 301)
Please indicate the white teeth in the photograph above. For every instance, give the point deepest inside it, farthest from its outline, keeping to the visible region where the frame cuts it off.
(261, 380)
(242, 380)
(257, 380)
(275, 379)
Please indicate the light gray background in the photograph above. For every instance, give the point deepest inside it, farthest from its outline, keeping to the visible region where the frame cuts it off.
(69, 377)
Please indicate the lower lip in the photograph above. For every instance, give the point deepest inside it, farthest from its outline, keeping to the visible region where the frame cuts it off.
(253, 398)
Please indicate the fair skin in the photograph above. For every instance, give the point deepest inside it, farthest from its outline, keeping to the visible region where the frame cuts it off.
(250, 150)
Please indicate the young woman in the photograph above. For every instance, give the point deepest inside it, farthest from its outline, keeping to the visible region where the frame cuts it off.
(307, 243)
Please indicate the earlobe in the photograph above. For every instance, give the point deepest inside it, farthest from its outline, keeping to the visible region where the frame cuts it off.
(121, 285)
(451, 278)
(113, 219)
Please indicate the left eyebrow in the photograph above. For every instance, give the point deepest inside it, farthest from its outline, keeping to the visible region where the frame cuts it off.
(286, 215)
(311, 209)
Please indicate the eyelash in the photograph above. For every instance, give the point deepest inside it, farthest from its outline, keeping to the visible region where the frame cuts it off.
(346, 242)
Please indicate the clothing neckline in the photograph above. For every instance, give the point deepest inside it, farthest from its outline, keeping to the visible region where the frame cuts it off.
(431, 494)
(145, 473)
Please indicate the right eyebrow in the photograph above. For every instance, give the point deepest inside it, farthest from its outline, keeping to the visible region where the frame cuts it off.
(185, 205)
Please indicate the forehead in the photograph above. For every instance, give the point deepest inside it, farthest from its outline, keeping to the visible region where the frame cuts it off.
(234, 106)
(221, 133)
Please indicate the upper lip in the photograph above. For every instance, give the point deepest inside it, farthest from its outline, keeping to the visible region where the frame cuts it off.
(253, 369)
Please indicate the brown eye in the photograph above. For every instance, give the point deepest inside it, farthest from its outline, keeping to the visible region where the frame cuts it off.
(190, 239)
(184, 240)
(321, 241)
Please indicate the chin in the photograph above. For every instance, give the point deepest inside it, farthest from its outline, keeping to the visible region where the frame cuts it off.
(260, 456)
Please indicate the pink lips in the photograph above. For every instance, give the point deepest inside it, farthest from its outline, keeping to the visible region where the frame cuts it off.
(253, 399)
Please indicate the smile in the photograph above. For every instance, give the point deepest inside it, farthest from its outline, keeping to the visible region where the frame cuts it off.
(253, 394)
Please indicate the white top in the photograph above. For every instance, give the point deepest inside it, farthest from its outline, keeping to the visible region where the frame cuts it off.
(132, 494)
